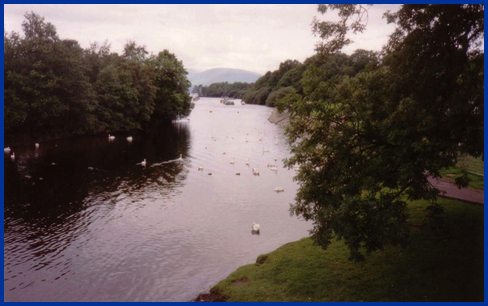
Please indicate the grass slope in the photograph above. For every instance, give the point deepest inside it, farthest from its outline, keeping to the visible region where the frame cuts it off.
(444, 262)
(470, 164)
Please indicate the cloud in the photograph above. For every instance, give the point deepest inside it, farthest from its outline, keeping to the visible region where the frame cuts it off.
(250, 37)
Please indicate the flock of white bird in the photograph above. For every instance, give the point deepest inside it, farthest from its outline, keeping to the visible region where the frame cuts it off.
(255, 171)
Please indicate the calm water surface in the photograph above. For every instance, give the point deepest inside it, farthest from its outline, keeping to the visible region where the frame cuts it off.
(95, 226)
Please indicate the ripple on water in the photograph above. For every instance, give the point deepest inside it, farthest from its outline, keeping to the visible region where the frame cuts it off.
(99, 227)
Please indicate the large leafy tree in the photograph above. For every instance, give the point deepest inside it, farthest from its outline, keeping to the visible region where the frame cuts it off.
(172, 99)
(54, 88)
(367, 144)
(45, 88)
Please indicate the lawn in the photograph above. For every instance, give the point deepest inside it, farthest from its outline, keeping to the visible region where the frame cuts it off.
(473, 166)
(444, 262)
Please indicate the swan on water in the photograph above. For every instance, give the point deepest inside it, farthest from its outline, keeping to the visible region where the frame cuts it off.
(37, 145)
(12, 157)
(273, 169)
(129, 139)
(255, 227)
(6, 150)
(279, 189)
(143, 163)
(111, 137)
(255, 171)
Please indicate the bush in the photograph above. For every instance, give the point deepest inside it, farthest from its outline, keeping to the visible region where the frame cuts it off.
(278, 94)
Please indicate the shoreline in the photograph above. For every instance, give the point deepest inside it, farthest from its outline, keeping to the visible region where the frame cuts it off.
(280, 119)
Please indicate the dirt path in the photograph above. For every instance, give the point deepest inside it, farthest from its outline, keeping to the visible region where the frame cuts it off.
(449, 190)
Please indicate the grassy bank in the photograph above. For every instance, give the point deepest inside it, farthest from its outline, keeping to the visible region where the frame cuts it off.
(472, 166)
(443, 263)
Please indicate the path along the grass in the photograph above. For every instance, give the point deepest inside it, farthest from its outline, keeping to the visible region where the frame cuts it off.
(450, 190)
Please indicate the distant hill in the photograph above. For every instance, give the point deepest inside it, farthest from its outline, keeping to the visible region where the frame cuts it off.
(217, 75)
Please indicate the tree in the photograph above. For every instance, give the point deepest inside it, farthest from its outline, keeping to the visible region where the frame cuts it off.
(279, 94)
(54, 88)
(172, 98)
(367, 143)
(45, 88)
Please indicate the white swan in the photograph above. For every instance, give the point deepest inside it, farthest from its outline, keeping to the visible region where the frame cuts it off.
(255, 227)
(181, 157)
(7, 150)
(273, 169)
(37, 145)
(279, 189)
(12, 157)
(143, 163)
(111, 137)
(255, 171)
(129, 139)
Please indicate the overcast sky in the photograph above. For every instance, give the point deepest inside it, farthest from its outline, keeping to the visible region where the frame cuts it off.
(250, 37)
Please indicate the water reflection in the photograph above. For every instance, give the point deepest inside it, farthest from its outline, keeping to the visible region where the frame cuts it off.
(85, 221)
(54, 194)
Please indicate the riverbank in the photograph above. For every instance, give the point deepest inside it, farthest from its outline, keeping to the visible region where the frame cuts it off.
(281, 119)
(443, 262)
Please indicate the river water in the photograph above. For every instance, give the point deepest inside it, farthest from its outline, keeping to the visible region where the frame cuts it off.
(84, 222)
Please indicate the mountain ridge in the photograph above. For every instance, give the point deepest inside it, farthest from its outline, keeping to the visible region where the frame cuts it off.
(217, 75)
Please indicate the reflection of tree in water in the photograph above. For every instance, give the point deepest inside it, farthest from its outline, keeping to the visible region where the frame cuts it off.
(90, 176)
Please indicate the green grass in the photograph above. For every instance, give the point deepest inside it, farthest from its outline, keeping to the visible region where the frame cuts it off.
(444, 262)
(476, 181)
(471, 164)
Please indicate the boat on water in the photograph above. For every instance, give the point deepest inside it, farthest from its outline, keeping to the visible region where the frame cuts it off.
(227, 101)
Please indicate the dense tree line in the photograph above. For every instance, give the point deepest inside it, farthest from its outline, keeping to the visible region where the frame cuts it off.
(288, 77)
(223, 89)
(54, 88)
(367, 137)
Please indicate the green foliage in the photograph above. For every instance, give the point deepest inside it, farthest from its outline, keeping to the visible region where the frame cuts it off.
(279, 94)
(271, 81)
(223, 89)
(292, 74)
(444, 263)
(366, 142)
(333, 34)
(53, 88)
(172, 97)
